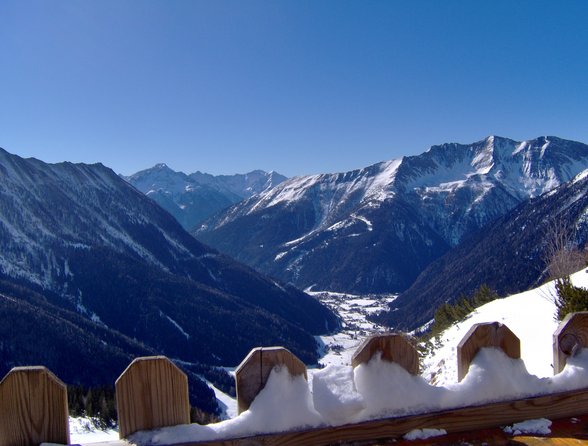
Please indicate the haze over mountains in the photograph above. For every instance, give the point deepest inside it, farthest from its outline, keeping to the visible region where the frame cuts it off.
(374, 230)
(193, 198)
(85, 251)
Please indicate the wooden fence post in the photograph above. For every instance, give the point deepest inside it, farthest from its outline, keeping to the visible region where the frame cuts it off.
(152, 392)
(487, 334)
(395, 347)
(33, 408)
(252, 374)
(569, 338)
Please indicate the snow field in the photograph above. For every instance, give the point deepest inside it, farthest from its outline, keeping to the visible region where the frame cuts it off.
(531, 317)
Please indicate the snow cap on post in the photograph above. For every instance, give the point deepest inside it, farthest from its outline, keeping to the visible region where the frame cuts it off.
(152, 392)
(394, 347)
(252, 374)
(33, 408)
(569, 338)
(487, 334)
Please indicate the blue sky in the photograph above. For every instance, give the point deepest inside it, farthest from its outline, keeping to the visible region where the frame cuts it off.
(294, 86)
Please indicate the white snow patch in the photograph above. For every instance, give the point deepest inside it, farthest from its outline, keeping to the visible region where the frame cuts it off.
(581, 176)
(540, 426)
(280, 255)
(365, 220)
(335, 396)
(83, 430)
(175, 324)
(227, 403)
(423, 434)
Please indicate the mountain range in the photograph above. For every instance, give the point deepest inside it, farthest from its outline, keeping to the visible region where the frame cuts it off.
(374, 230)
(193, 198)
(509, 255)
(94, 269)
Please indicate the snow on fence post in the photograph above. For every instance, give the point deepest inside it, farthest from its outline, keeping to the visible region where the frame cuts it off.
(152, 392)
(487, 334)
(569, 338)
(252, 374)
(33, 408)
(394, 347)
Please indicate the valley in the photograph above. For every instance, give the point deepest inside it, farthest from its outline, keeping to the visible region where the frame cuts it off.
(353, 310)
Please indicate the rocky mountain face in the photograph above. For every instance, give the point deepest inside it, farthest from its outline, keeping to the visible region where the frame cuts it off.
(376, 229)
(509, 255)
(93, 246)
(193, 198)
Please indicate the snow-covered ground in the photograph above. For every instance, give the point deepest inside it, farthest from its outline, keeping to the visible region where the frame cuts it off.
(83, 430)
(530, 315)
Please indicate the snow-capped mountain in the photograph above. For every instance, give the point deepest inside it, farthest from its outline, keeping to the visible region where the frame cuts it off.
(375, 229)
(90, 242)
(193, 198)
(509, 255)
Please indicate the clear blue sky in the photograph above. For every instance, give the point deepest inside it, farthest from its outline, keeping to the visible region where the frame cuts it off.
(294, 86)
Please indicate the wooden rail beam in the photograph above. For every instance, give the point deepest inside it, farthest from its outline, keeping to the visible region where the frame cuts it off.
(152, 392)
(569, 338)
(252, 374)
(33, 408)
(487, 334)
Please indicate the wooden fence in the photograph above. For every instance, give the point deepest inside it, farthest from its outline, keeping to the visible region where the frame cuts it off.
(152, 392)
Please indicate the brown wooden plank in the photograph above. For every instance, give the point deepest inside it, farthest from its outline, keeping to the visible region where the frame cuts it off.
(569, 338)
(395, 347)
(489, 334)
(567, 404)
(152, 392)
(252, 374)
(33, 408)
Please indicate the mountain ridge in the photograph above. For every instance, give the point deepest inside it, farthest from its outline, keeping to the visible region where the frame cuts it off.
(98, 247)
(510, 255)
(191, 198)
(419, 207)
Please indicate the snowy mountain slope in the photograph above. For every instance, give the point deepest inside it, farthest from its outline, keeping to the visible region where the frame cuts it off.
(91, 243)
(195, 197)
(530, 315)
(375, 229)
(507, 255)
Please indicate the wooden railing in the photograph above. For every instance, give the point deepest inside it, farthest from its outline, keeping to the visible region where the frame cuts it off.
(152, 393)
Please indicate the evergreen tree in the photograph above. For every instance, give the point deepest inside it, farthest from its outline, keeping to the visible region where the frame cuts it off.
(569, 298)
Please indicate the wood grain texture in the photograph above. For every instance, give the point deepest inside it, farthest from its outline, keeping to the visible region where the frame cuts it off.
(555, 406)
(395, 347)
(488, 334)
(252, 374)
(33, 408)
(152, 392)
(569, 338)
